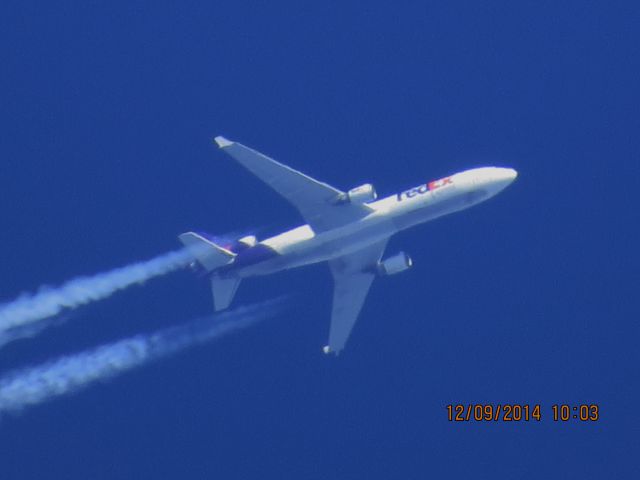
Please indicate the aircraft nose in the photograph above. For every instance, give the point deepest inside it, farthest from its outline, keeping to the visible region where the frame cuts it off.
(503, 177)
(506, 174)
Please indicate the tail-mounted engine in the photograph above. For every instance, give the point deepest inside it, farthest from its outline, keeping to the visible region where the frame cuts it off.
(395, 264)
(243, 243)
(249, 240)
(362, 194)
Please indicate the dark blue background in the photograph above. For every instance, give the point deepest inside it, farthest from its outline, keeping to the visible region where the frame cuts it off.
(107, 111)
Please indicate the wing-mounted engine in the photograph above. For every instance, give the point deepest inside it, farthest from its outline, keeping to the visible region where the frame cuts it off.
(359, 195)
(395, 264)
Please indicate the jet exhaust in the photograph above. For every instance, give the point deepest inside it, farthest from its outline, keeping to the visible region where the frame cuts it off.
(48, 302)
(70, 373)
(30, 330)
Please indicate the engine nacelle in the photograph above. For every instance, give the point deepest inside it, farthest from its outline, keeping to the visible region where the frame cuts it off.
(249, 240)
(396, 264)
(362, 194)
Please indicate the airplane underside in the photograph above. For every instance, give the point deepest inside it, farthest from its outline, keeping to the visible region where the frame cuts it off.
(308, 252)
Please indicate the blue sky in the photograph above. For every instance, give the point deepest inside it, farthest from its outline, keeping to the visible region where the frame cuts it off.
(107, 114)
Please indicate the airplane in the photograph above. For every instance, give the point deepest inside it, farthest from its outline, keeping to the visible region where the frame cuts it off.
(349, 230)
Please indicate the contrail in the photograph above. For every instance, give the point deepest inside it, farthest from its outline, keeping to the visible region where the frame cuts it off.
(30, 330)
(48, 302)
(70, 373)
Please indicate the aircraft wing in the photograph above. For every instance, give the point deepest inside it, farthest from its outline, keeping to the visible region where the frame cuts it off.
(352, 275)
(315, 200)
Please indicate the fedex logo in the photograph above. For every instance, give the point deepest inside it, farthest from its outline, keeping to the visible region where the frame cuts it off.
(422, 189)
(439, 183)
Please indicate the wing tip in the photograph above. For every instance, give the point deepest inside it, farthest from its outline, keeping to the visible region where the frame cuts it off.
(222, 142)
(327, 350)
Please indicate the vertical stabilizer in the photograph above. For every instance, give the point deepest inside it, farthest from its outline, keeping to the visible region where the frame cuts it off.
(223, 290)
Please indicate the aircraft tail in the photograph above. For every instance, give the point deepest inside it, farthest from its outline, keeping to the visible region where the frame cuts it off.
(212, 257)
(208, 254)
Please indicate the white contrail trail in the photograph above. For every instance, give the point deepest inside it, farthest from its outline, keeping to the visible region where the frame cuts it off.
(51, 301)
(67, 374)
(30, 330)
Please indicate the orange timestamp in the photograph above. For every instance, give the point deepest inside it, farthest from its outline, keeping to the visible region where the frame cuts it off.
(516, 412)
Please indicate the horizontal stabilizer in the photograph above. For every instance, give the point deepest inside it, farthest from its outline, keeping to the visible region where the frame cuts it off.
(223, 290)
(208, 254)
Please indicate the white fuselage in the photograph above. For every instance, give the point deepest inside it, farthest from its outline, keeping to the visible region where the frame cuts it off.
(302, 246)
